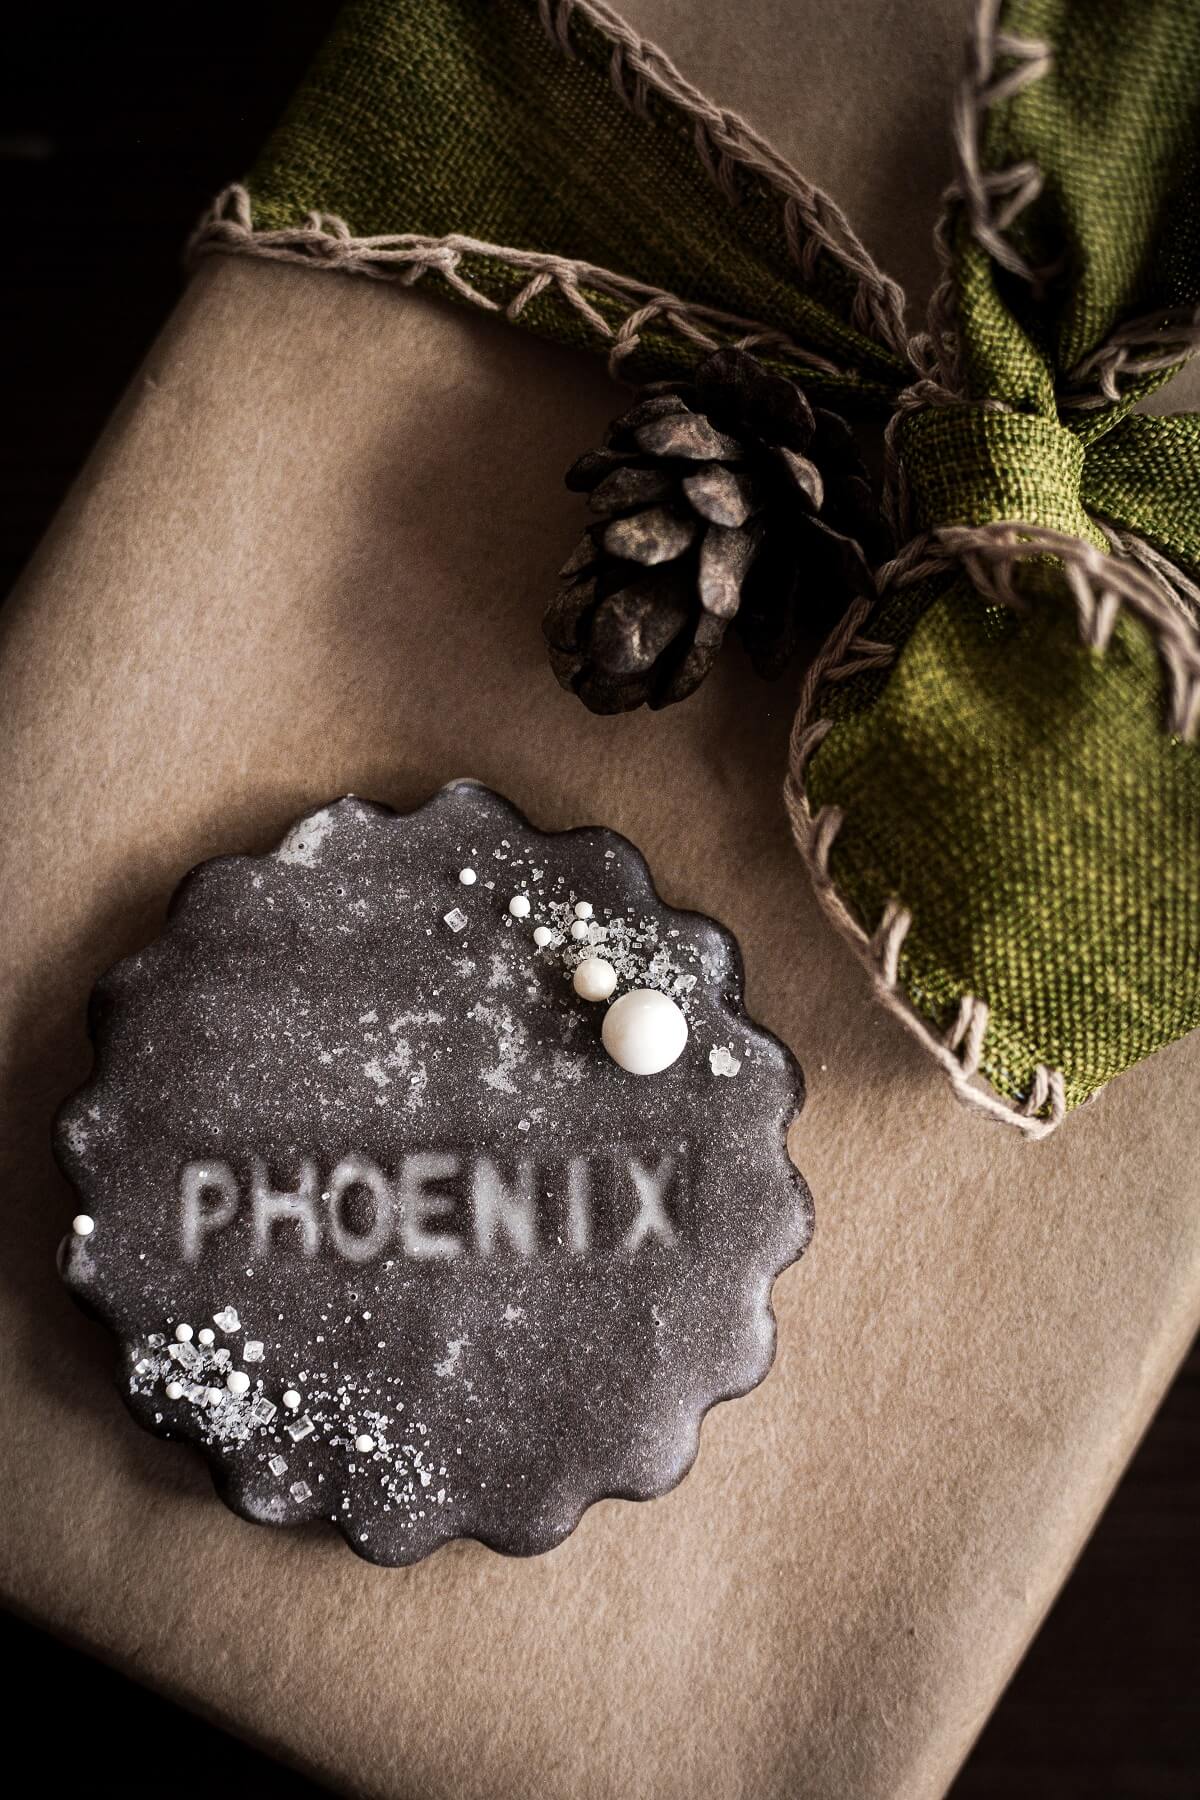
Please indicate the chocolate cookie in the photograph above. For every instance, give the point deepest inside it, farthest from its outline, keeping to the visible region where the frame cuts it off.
(434, 1178)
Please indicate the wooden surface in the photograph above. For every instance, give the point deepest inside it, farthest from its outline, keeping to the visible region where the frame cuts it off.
(113, 136)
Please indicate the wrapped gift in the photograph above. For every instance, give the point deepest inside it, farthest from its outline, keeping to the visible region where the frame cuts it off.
(311, 557)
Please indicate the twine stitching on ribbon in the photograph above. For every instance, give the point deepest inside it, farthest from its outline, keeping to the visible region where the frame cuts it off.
(1136, 576)
(324, 241)
(1144, 346)
(1101, 584)
(1176, 588)
(994, 198)
(725, 143)
(957, 1050)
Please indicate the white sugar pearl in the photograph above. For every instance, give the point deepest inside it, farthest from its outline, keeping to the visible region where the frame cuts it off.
(83, 1225)
(518, 906)
(644, 1031)
(207, 1335)
(213, 1396)
(579, 930)
(542, 936)
(594, 979)
(237, 1381)
(292, 1400)
(468, 877)
(174, 1391)
(364, 1442)
(583, 909)
(184, 1333)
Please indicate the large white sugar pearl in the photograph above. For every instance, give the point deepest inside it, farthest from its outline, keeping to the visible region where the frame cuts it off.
(291, 1400)
(594, 979)
(207, 1335)
(183, 1333)
(518, 906)
(468, 877)
(644, 1031)
(579, 930)
(542, 936)
(238, 1382)
(83, 1225)
(364, 1443)
(583, 909)
(174, 1390)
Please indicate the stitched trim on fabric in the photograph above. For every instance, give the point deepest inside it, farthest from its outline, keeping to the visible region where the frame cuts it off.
(324, 241)
(725, 143)
(994, 198)
(1145, 346)
(1100, 585)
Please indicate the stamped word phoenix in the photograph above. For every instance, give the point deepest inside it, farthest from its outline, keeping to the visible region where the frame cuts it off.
(433, 1205)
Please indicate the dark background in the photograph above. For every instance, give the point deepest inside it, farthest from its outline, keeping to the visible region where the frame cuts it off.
(117, 125)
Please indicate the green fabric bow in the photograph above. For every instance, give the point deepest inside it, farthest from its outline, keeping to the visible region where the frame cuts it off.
(995, 781)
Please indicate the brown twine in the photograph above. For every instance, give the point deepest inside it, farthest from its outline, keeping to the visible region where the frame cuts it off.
(725, 143)
(1101, 584)
(324, 241)
(1133, 576)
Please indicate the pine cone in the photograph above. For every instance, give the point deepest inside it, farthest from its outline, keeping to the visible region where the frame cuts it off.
(724, 498)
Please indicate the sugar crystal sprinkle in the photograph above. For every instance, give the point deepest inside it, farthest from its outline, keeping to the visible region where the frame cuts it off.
(456, 919)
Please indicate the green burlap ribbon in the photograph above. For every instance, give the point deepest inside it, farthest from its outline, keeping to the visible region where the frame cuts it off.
(994, 781)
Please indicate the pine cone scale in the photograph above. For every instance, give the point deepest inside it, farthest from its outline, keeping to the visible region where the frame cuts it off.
(628, 486)
(725, 559)
(656, 535)
(633, 628)
(688, 435)
(722, 495)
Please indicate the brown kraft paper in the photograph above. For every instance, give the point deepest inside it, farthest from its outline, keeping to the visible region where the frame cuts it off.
(310, 556)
